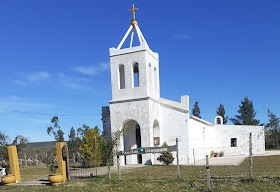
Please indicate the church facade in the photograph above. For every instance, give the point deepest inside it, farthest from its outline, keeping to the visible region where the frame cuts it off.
(151, 120)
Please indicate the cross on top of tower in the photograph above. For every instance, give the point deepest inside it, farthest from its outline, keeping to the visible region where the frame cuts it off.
(133, 10)
(133, 29)
(133, 21)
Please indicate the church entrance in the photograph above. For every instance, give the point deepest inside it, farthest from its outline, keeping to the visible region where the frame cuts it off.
(132, 140)
(138, 142)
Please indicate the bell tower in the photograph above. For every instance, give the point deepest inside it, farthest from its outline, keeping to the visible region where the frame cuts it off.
(134, 70)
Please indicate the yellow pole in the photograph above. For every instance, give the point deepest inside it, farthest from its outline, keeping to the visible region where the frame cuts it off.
(60, 162)
(13, 160)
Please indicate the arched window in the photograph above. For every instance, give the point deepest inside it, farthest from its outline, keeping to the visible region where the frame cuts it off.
(135, 75)
(121, 77)
(219, 120)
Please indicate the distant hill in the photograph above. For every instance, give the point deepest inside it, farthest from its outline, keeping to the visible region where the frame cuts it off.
(42, 145)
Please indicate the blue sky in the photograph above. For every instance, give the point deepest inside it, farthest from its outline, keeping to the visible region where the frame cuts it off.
(54, 57)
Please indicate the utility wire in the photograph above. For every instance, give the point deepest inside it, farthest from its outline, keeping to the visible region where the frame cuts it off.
(33, 113)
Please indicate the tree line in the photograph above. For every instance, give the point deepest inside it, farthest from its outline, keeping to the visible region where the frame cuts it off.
(246, 116)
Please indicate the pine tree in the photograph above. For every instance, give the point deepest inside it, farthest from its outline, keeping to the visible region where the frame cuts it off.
(221, 112)
(273, 127)
(196, 110)
(73, 139)
(247, 114)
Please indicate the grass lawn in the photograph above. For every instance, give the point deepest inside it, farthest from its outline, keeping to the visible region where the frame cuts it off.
(32, 173)
(164, 178)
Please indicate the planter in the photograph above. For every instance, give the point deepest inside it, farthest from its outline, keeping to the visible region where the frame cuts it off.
(55, 179)
(212, 155)
(221, 155)
(9, 179)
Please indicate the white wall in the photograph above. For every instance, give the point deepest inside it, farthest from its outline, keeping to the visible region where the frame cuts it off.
(147, 61)
(122, 112)
(205, 138)
(174, 125)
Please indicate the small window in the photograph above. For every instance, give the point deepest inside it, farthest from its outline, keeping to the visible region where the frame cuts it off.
(233, 142)
(121, 77)
(156, 141)
(136, 75)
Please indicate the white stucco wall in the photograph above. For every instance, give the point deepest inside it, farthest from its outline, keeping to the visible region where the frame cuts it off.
(175, 125)
(122, 112)
(206, 137)
(147, 61)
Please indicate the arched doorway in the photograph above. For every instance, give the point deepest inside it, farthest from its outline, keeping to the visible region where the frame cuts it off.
(132, 140)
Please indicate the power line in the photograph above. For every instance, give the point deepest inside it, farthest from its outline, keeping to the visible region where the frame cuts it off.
(52, 114)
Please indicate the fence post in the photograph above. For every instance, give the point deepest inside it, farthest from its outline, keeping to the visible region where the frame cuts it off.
(250, 156)
(25, 161)
(118, 163)
(194, 164)
(208, 172)
(177, 154)
(74, 158)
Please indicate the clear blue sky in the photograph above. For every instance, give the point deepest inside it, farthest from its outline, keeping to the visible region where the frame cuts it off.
(54, 57)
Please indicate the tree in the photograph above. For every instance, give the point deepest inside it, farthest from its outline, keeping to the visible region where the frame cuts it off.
(20, 142)
(273, 127)
(196, 110)
(74, 140)
(247, 114)
(3, 146)
(91, 147)
(167, 157)
(58, 135)
(110, 146)
(221, 112)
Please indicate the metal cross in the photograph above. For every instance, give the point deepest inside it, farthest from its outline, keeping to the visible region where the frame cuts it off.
(133, 10)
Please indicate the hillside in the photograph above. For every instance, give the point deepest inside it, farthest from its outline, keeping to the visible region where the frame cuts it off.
(42, 145)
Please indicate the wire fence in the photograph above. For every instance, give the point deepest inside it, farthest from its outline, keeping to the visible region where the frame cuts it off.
(82, 162)
(231, 161)
(234, 161)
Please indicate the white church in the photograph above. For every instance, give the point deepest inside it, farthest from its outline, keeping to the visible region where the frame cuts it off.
(151, 120)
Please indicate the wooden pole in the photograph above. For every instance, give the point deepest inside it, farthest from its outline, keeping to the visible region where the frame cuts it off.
(95, 152)
(177, 154)
(208, 172)
(118, 164)
(67, 163)
(250, 156)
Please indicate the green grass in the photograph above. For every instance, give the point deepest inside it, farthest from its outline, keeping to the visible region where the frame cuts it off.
(164, 178)
(34, 172)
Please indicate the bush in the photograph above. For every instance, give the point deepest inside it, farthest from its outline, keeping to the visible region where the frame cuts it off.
(7, 171)
(167, 157)
(53, 169)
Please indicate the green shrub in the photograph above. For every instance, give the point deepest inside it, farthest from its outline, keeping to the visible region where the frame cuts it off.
(7, 170)
(53, 169)
(167, 157)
